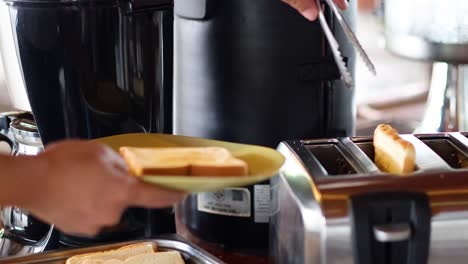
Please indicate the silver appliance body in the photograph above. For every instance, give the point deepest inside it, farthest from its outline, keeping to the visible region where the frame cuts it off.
(301, 231)
(17, 95)
(21, 234)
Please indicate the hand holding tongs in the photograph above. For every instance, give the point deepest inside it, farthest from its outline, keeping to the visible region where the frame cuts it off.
(335, 46)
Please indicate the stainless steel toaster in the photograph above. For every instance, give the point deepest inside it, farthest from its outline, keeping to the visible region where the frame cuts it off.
(331, 203)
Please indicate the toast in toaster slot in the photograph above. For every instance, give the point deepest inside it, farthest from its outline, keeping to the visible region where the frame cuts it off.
(392, 153)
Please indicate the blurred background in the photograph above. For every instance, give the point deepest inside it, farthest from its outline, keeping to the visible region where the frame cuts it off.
(396, 95)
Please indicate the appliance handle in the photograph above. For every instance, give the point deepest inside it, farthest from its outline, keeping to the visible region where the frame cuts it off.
(142, 5)
(383, 222)
(7, 140)
(392, 232)
(192, 9)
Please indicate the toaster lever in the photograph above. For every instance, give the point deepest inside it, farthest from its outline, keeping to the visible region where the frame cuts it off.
(390, 227)
(392, 232)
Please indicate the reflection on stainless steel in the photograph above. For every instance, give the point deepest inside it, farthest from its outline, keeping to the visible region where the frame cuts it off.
(461, 99)
(312, 221)
(392, 232)
(364, 160)
(461, 141)
(22, 233)
(191, 253)
(26, 137)
(10, 247)
(295, 238)
(435, 115)
(334, 47)
(446, 108)
(352, 37)
(426, 159)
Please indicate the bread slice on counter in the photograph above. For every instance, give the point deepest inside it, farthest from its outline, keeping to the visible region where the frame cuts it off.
(169, 257)
(392, 153)
(141, 253)
(119, 254)
(183, 161)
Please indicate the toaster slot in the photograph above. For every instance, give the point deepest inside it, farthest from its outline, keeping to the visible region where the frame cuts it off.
(362, 153)
(426, 158)
(368, 148)
(461, 140)
(448, 151)
(332, 159)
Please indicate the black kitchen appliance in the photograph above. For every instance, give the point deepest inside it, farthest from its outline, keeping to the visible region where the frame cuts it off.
(254, 72)
(95, 68)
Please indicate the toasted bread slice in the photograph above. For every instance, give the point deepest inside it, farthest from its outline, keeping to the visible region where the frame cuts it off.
(113, 261)
(392, 153)
(202, 161)
(119, 254)
(169, 257)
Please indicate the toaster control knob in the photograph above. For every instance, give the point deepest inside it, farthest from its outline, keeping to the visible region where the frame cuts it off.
(392, 232)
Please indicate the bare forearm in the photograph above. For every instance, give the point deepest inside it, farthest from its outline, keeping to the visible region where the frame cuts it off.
(18, 179)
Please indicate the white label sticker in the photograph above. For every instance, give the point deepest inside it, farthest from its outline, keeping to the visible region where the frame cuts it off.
(230, 201)
(262, 203)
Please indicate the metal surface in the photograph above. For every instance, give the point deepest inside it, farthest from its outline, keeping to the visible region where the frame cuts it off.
(460, 99)
(392, 232)
(22, 234)
(310, 220)
(334, 47)
(11, 247)
(446, 108)
(435, 114)
(191, 253)
(364, 163)
(426, 159)
(453, 151)
(352, 37)
(26, 137)
(297, 223)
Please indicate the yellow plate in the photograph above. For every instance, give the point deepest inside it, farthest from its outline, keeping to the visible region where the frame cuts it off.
(263, 163)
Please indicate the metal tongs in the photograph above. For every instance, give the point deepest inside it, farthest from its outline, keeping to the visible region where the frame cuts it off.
(346, 76)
